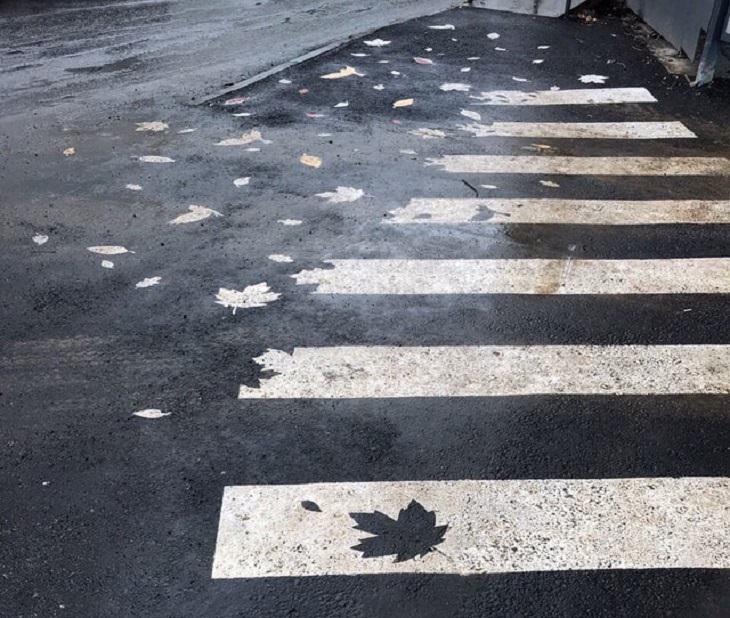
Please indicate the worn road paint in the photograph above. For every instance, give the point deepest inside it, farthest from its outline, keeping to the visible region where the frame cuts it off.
(584, 166)
(523, 276)
(582, 130)
(155, 126)
(560, 211)
(593, 79)
(341, 195)
(155, 159)
(583, 96)
(455, 87)
(493, 526)
(371, 372)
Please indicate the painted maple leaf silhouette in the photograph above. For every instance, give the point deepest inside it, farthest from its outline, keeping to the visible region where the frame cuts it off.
(414, 533)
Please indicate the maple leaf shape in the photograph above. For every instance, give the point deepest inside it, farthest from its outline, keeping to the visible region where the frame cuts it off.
(414, 533)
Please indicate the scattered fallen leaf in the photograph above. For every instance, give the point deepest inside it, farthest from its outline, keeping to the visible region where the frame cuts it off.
(258, 295)
(379, 87)
(108, 249)
(360, 55)
(543, 46)
(395, 72)
(549, 183)
(151, 413)
(428, 133)
(493, 36)
(489, 186)
(519, 79)
(285, 81)
(254, 135)
(133, 187)
(155, 159)
(342, 194)
(154, 126)
(473, 57)
(197, 213)
(279, 257)
(310, 160)
(235, 101)
(470, 114)
(148, 282)
(40, 239)
(343, 104)
(242, 182)
(314, 115)
(443, 27)
(69, 152)
(593, 79)
(303, 90)
(419, 60)
(403, 103)
(183, 131)
(376, 43)
(465, 69)
(308, 505)
(407, 152)
(538, 61)
(448, 87)
(343, 72)
(107, 264)
(242, 115)
(500, 49)
(289, 221)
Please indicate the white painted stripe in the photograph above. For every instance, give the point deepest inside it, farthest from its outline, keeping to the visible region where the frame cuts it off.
(582, 130)
(522, 276)
(584, 96)
(502, 526)
(591, 166)
(559, 211)
(486, 371)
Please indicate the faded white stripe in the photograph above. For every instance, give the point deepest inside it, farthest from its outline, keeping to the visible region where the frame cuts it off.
(500, 526)
(584, 96)
(485, 371)
(523, 276)
(590, 166)
(582, 130)
(559, 211)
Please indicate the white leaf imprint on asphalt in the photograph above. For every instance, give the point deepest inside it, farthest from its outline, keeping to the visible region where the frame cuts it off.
(40, 239)
(443, 27)
(108, 249)
(154, 126)
(493, 36)
(249, 137)
(457, 87)
(280, 257)
(151, 413)
(343, 72)
(242, 182)
(148, 282)
(258, 295)
(593, 79)
(197, 213)
(289, 221)
(376, 43)
(342, 194)
(107, 264)
(133, 187)
(473, 115)
(428, 133)
(155, 159)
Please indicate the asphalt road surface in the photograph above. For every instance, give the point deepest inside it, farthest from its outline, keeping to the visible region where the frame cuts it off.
(433, 325)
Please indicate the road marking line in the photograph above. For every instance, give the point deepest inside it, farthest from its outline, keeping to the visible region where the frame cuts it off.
(521, 276)
(489, 371)
(494, 526)
(561, 212)
(582, 130)
(588, 166)
(583, 96)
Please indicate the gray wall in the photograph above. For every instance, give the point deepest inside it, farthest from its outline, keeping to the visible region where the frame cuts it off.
(548, 8)
(678, 21)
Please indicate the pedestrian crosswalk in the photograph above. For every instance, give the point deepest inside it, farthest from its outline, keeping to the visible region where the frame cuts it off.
(473, 526)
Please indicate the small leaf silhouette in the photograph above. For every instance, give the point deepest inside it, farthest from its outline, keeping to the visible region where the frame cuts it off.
(308, 505)
(414, 533)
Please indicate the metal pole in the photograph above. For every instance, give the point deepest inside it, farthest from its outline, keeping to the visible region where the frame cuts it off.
(567, 6)
(715, 30)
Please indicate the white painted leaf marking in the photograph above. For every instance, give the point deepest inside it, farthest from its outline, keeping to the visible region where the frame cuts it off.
(108, 249)
(151, 413)
(155, 126)
(342, 194)
(148, 282)
(155, 159)
(258, 295)
(254, 135)
(457, 87)
(40, 239)
(242, 182)
(197, 213)
(593, 79)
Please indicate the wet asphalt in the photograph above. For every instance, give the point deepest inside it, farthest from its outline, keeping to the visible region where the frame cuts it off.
(107, 514)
